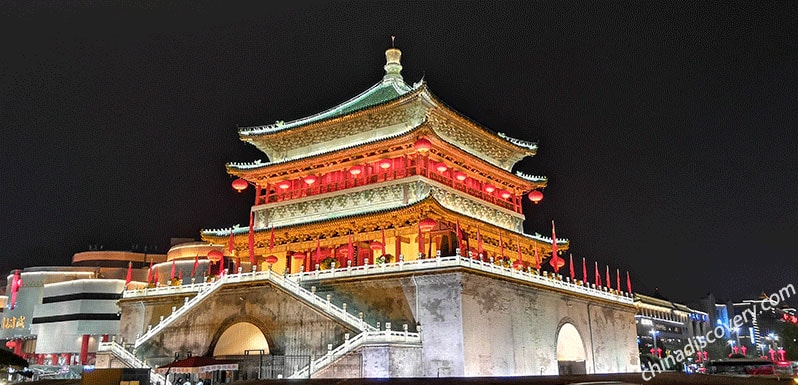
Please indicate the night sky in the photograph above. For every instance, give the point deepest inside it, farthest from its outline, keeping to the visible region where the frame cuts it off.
(667, 129)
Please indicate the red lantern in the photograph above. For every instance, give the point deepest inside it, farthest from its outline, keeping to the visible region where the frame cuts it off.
(386, 164)
(215, 256)
(427, 224)
(506, 194)
(557, 262)
(459, 175)
(356, 170)
(310, 179)
(535, 196)
(375, 245)
(240, 184)
(271, 259)
(490, 188)
(11, 344)
(422, 145)
(299, 255)
(284, 185)
(441, 167)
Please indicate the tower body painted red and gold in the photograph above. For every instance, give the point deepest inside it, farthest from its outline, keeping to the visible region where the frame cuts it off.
(372, 171)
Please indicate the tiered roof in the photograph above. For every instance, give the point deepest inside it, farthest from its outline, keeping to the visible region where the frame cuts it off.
(382, 122)
(389, 108)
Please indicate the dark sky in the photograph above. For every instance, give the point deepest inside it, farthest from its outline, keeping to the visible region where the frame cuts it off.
(667, 129)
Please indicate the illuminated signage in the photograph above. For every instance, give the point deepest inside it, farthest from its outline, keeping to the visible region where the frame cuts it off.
(14, 322)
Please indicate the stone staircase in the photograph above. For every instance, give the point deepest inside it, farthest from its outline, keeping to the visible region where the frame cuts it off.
(131, 360)
(285, 283)
(351, 344)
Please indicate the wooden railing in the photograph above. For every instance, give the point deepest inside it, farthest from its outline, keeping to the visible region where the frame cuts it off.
(413, 166)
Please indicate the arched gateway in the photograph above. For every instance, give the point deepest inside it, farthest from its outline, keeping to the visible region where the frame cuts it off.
(570, 351)
(239, 338)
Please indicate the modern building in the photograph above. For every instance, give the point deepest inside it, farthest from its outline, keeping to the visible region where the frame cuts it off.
(386, 240)
(58, 315)
(761, 322)
(762, 328)
(664, 326)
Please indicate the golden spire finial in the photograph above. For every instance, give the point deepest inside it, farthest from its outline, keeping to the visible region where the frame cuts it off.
(393, 66)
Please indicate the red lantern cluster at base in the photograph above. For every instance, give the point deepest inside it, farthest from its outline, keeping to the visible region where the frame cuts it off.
(789, 318)
(215, 256)
(427, 224)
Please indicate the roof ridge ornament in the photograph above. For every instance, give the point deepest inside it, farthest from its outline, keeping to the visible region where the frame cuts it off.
(393, 65)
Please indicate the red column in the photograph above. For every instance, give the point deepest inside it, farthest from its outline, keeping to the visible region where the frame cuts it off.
(54, 359)
(40, 359)
(84, 349)
(398, 244)
(105, 338)
(18, 347)
(68, 358)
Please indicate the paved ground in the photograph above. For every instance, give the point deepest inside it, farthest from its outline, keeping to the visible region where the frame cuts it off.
(603, 379)
(631, 378)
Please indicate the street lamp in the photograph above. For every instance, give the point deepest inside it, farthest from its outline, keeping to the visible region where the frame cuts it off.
(736, 331)
(654, 336)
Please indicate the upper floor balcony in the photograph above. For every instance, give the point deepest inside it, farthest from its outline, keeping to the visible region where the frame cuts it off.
(387, 170)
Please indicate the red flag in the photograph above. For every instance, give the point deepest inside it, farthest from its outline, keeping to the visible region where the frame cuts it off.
(608, 280)
(231, 244)
(598, 276)
(271, 239)
(238, 264)
(618, 279)
(571, 260)
(459, 236)
(129, 276)
(149, 273)
(251, 240)
(553, 241)
(172, 276)
(628, 283)
(584, 271)
(221, 267)
(556, 262)
(196, 264)
(479, 243)
(157, 279)
(180, 276)
(16, 283)
(537, 259)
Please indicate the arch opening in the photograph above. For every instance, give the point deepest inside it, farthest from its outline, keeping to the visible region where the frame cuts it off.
(570, 351)
(238, 338)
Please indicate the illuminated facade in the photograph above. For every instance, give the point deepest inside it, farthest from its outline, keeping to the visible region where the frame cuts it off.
(386, 240)
(56, 316)
(665, 326)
